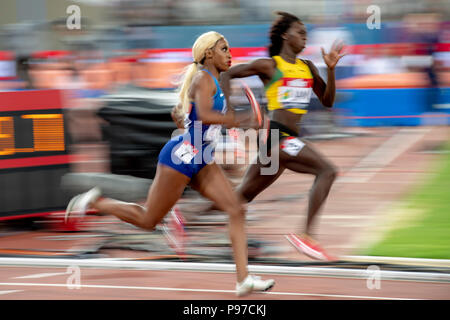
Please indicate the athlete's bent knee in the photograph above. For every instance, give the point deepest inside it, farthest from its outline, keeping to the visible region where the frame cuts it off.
(246, 196)
(330, 172)
(236, 211)
(148, 225)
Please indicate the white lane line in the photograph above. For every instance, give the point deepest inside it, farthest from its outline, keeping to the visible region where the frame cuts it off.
(9, 291)
(383, 155)
(445, 263)
(339, 296)
(41, 275)
(227, 267)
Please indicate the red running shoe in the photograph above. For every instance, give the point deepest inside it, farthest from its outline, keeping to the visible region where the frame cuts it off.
(174, 231)
(309, 247)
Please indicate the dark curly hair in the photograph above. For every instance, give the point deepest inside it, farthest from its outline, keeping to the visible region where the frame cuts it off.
(280, 26)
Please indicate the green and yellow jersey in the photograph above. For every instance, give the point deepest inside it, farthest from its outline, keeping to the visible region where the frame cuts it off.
(290, 87)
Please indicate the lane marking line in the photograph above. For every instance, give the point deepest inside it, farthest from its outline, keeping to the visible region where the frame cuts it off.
(94, 286)
(9, 291)
(224, 267)
(379, 158)
(445, 263)
(41, 275)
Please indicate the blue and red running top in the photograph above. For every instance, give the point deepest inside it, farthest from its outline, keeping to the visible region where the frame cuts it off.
(192, 123)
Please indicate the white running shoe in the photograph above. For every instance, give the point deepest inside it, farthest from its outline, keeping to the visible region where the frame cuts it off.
(79, 204)
(253, 284)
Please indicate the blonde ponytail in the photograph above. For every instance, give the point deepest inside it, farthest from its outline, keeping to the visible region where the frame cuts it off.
(204, 42)
(188, 73)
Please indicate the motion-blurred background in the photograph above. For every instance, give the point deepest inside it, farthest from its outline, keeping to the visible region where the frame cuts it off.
(146, 43)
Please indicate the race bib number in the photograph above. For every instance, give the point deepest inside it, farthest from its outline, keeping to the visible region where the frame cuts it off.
(294, 95)
(295, 92)
(292, 146)
(212, 134)
(186, 152)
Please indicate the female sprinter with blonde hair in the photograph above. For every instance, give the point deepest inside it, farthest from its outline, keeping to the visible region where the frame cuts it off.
(188, 159)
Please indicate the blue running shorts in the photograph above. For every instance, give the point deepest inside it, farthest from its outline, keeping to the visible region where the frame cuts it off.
(182, 156)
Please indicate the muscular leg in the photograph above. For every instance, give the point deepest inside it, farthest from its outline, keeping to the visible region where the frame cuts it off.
(212, 183)
(254, 183)
(312, 162)
(166, 189)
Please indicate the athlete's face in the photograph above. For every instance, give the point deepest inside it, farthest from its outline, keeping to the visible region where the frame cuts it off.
(221, 55)
(296, 37)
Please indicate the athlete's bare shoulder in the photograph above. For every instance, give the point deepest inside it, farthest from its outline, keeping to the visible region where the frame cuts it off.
(201, 81)
(311, 65)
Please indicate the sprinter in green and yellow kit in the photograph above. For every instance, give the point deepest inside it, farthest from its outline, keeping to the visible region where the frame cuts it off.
(289, 83)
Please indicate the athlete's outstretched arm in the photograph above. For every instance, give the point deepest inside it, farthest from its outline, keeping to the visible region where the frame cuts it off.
(326, 92)
(263, 68)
